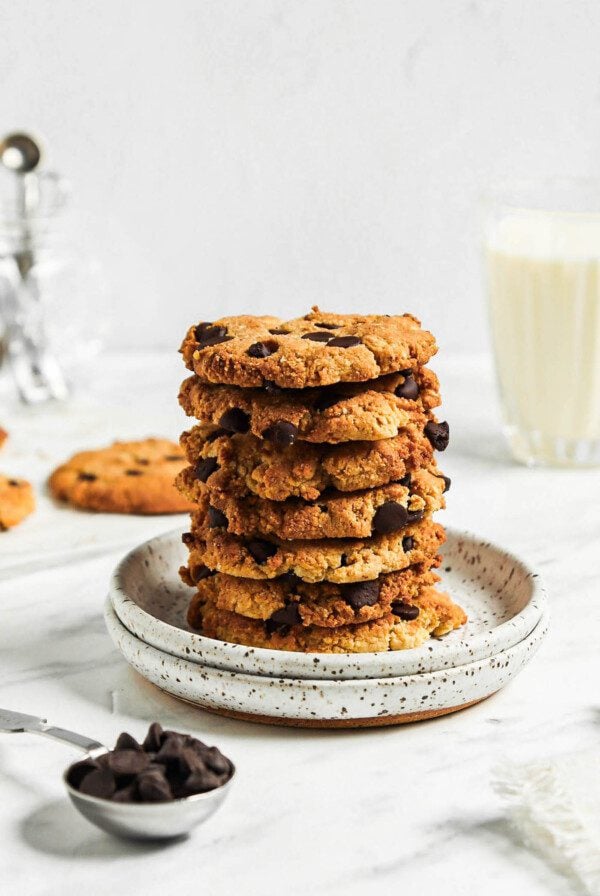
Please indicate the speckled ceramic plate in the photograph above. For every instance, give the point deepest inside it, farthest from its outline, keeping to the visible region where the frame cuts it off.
(349, 703)
(502, 596)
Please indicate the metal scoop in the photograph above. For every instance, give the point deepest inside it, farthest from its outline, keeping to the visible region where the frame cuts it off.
(135, 821)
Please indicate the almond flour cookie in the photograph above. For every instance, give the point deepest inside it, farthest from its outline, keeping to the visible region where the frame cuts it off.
(409, 624)
(289, 601)
(315, 350)
(348, 413)
(341, 560)
(17, 501)
(126, 477)
(335, 515)
(244, 465)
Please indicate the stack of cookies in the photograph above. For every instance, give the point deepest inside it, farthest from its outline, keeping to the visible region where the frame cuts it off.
(313, 475)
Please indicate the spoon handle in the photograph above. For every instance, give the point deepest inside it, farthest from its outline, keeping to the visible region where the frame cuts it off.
(15, 722)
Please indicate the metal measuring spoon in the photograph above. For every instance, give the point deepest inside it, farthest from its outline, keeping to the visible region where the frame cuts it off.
(135, 821)
(36, 371)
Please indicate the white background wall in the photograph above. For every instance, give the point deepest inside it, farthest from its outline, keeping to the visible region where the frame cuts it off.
(267, 154)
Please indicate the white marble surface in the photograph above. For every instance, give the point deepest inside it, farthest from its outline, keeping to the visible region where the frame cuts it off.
(409, 809)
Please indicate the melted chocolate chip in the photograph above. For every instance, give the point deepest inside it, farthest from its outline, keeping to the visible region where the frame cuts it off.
(408, 389)
(288, 615)
(405, 481)
(361, 594)
(261, 550)
(205, 468)
(235, 420)
(328, 326)
(415, 515)
(209, 335)
(87, 477)
(169, 457)
(390, 517)
(216, 518)
(447, 483)
(201, 328)
(290, 579)
(133, 473)
(216, 434)
(261, 350)
(272, 627)
(15, 482)
(197, 573)
(438, 434)
(144, 462)
(187, 538)
(343, 560)
(280, 332)
(344, 342)
(408, 543)
(282, 433)
(327, 400)
(317, 337)
(405, 610)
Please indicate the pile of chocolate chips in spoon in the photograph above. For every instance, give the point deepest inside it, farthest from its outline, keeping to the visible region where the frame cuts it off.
(166, 766)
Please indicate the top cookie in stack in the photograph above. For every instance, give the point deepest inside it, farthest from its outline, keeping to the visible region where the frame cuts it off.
(314, 478)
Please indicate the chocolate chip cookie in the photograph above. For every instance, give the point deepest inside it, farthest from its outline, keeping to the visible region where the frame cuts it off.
(242, 465)
(315, 350)
(290, 601)
(348, 413)
(17, 501)
(377, 511)
(126, 477)
(410, 623)
(334, 560)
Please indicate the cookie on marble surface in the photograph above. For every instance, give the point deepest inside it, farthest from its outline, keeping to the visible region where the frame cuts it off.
(315, 350)
(347, 413)
(244, 465)
(333, 560)
(290, 601)
(409, 624)
(377, 511)
(126, 477)
(17, 501)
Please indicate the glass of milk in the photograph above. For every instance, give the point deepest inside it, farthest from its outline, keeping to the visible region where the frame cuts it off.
(542, 255)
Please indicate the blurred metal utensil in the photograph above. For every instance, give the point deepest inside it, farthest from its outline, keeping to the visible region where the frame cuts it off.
(37, 373)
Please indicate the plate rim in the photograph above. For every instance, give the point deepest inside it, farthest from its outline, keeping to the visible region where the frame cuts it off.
(227, 656)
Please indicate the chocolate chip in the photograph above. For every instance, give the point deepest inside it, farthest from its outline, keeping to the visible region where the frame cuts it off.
(271, 387)
(125, 794)
(201, 782)
(390, 517)
(133, 473)
(343, 560)
(408, 543)
(188, 538)
(205, 468)
(200, 572)
(87, 477)
(447, 483)
(290, 579)
(415, 515)
(216, 761)
(169, 457)
(288, 615)
(143, 462)
(200, 329)
(280, 332)
(154, 738)
(261, 350)
(126, 742)
(153, 788)
(438, 434)
(100, 782)
(328, 326)
(345, 342)
(282, 433)
(317, 337)
(209, 335)
(405, 610)
(216, 518)
(261, 550)
(272, 627)
(79, 770)
(127, 763)
(361, 594)
(235, 420)
(405, 481)
(15, 482)
(408, 389)
(327, 400)
(216, 434)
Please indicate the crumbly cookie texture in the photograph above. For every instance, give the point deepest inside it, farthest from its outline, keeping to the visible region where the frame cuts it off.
(433, 614)
(341, 560)
(314, 350)
(126, 477)
(243, 465)
(17, 501)
(386, 509)
(289, 601)
(350, 412)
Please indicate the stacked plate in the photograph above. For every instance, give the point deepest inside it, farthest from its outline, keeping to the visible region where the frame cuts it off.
(505, 602)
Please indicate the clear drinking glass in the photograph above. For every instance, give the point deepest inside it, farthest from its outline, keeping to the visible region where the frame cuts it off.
(542, 260)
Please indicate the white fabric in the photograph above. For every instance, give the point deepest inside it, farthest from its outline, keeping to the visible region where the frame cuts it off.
(554, 805)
